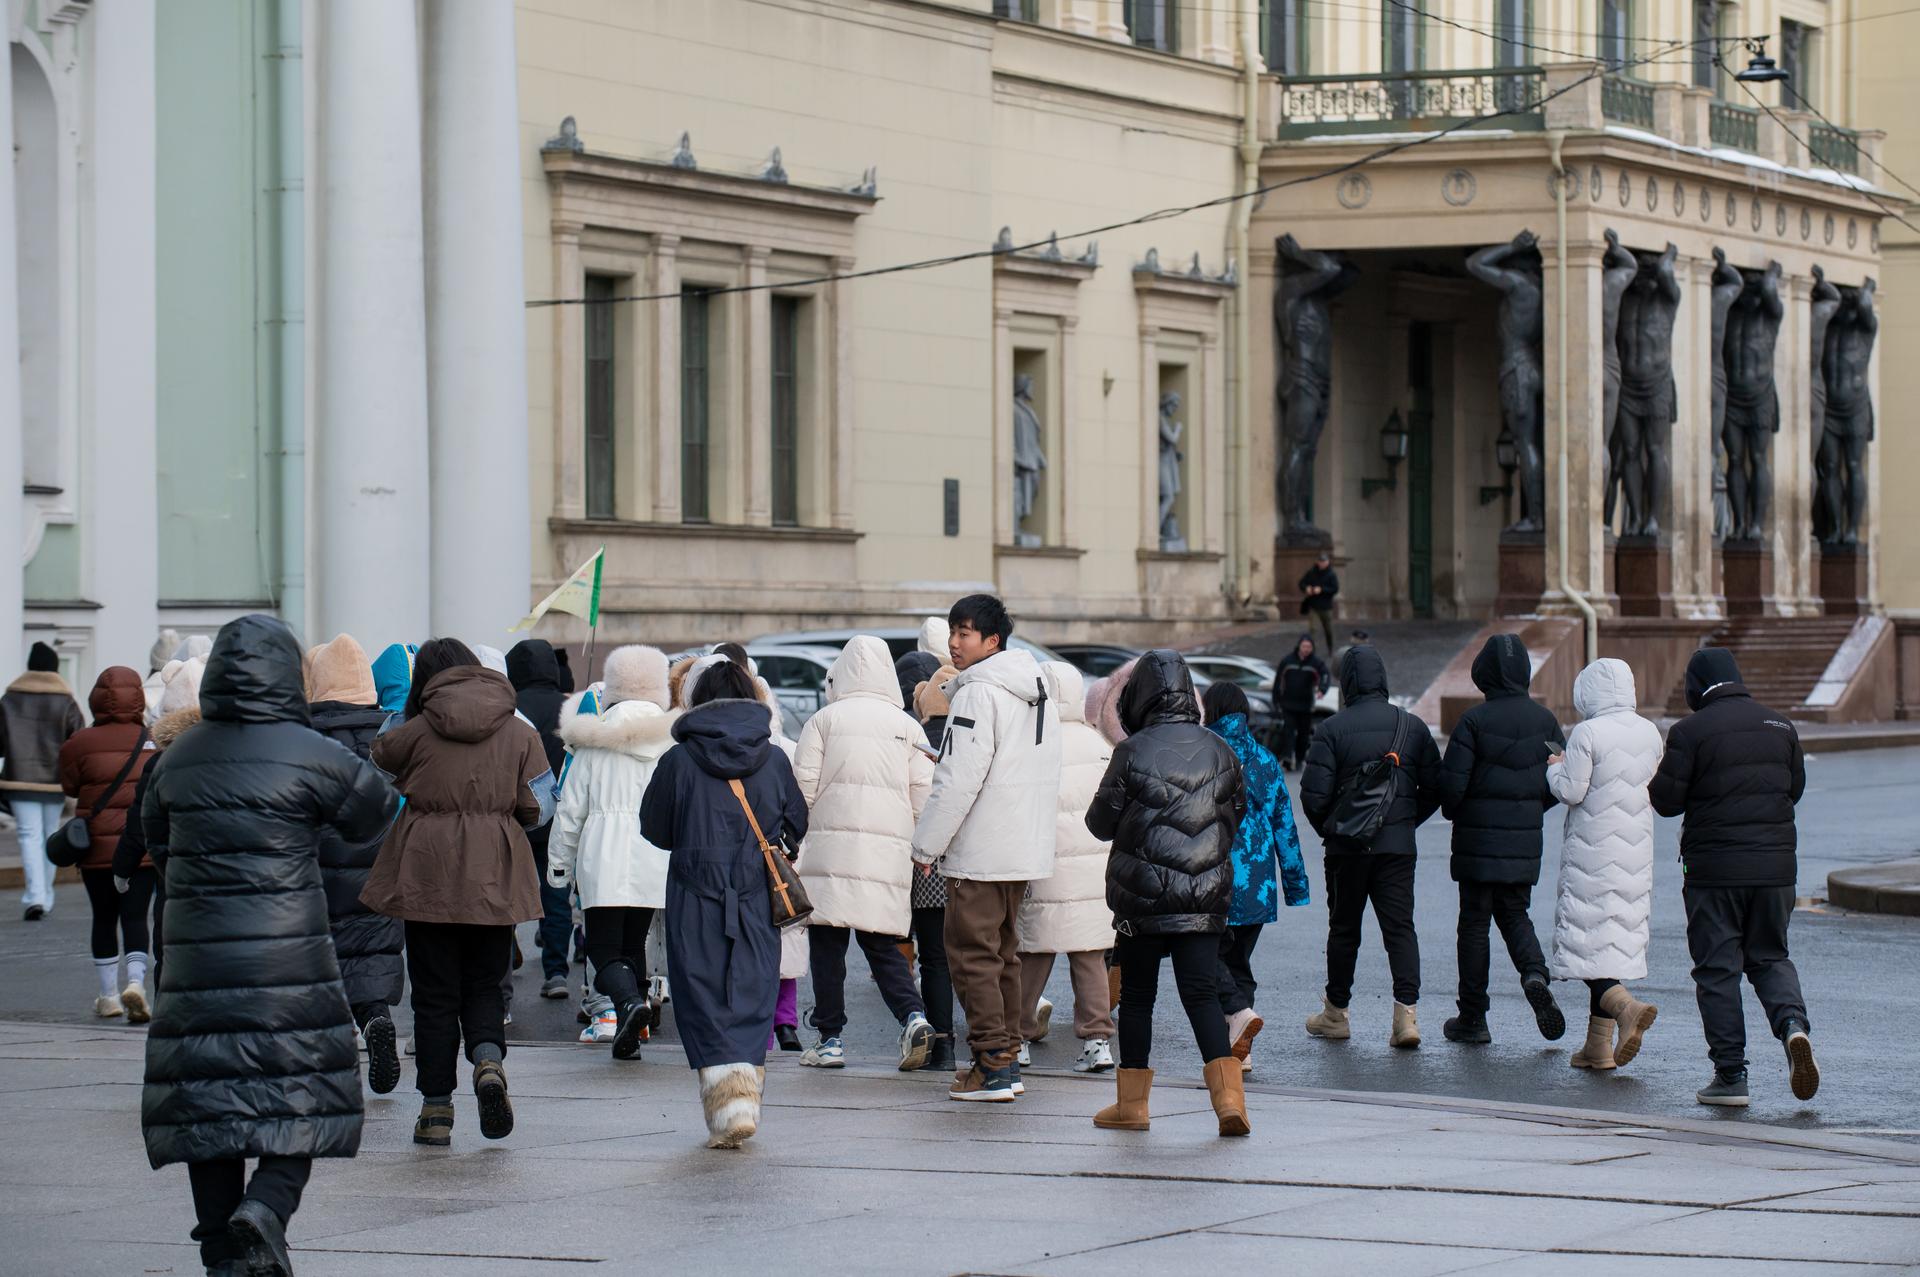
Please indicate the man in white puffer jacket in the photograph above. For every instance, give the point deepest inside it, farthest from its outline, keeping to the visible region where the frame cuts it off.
(996, 795)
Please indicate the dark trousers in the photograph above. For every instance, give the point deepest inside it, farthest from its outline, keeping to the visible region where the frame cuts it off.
(936, 982)
(555, 933)
(1504, 903)
(1735, 930)
(1320, 619)
(617, 948)
(1387, 881)
(456, 970)
(1596, 990)
(983, 952)
(828, 951)
(119, 918)
(219, 1186)
(1196, 958)
(1296, 734)
(364, 1011)
(1235, 978)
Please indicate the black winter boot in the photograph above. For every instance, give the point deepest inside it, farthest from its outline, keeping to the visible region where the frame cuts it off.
(263, 1238)
(634, 1022)
(1469, 1029)
(1546, 1012)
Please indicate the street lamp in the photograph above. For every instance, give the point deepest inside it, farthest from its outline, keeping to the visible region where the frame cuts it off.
(1508, 457)
(1393, 447)
(1760, 67)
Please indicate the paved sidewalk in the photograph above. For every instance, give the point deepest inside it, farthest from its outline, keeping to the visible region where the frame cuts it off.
(875, 1171)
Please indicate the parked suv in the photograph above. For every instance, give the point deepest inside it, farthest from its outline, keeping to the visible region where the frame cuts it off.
(899, 642)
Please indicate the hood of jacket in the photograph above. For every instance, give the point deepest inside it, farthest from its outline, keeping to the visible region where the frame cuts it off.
(1068, 688)
(863, 668)
(531, 663)
(253, 674)
(1362, 674)
(339, 671)
(1235, 730)
(728, 739)
(336, 716)
(637, 673)
(393, 675)
(1708, 668)
(491, 658)
(468, 703)
(1502, 668)
(163, 649)
(934, 633)
(637, 728)
(167, 728)
(1604, 687)
(117, 697)
(912, 670)
(1013, 670)
(1160, 691)
(180, 686)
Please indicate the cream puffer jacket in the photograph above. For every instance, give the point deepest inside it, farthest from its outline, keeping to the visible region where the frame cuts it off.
(1068, 913)
(864, 768)
(596, 840)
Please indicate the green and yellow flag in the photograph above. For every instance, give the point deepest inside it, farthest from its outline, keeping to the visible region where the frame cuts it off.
(578, 595)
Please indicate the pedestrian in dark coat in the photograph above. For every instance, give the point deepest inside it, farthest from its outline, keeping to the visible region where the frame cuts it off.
(1493, 787)
(1297, 684)
(1170, 804)
(251, 1053)
(533, 667)
(723, 950)
(37, 715)
(1734, 769)
(1318, 586)
(1381, 870)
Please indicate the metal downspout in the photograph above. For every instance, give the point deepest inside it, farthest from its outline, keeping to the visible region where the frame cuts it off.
(1579, 600)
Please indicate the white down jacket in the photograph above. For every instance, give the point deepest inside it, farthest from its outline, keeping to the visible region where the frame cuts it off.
(1606, 856)
(864, 769)
(996, 788)
(1068, 913)
(596, 838)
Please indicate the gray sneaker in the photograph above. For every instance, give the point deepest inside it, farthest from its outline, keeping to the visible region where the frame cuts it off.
(555, 987)
(1727, 1090)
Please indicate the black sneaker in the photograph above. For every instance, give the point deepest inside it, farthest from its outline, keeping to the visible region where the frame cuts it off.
(788, 1037)
(383, 1059)
(633, 1027)
(941, 1057)
(35, 913)
(1727, 1090)
(262, 1238)
(1803, 1073)
(1470, 1029)
(1546, 1012)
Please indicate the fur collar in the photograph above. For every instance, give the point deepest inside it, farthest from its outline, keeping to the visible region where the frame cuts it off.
(639, 728)
(40, 681)
(167, 728)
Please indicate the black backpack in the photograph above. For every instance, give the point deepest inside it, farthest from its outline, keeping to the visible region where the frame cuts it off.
(1361, 810)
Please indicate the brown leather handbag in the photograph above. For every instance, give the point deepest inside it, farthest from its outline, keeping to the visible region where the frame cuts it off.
(788, 898)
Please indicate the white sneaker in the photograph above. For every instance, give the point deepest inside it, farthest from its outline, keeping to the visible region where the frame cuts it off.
(359, 1039)
(1024, 1056)
(916, 1042)
(605, 1027)
(1043, 1020)
(1095, 1057)
(106, 1006)
(827, 1053)
(657, 989)
(412, 1041)
(133, 999)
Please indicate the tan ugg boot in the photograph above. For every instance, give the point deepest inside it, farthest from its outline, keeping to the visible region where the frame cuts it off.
(1129, 1111)
(1632, 1017)
(1406, 1027)
(1598, 1052)
(1330, 1022)
(730, 1095)
(1228, 1094)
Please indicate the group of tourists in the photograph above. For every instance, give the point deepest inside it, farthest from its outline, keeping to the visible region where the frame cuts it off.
(966, 815)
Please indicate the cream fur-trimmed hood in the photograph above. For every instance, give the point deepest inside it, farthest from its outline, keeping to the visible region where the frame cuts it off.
(168, 727)
(639, 728)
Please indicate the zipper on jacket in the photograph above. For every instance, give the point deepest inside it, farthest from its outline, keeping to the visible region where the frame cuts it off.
(1040, 711)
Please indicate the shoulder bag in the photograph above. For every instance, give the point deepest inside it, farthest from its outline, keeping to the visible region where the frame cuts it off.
(789, 899)
(71, 842)
(1361, 810)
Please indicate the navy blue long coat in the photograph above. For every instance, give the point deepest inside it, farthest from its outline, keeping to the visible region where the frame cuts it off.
(723, 951)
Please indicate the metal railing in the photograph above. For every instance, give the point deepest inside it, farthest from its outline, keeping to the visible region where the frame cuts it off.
(1836, 148)
(1411, 101)
(1734, 126)
(1626, 101)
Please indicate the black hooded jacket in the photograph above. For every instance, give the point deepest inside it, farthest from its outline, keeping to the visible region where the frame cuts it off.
(1734, 769)
(1360, 733)
(368, 944)
(1493, 781)
(690, 811)
(912, 670)
(1298, 682)
(251, 1051)
(534, 672)
(1170, 804)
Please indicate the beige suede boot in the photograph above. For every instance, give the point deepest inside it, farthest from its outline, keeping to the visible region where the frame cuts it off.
(1329, 1022)
(1129, 1111)
(1228, 1094)
(1632, 1017)
(1598, 1051)
(1406, 1027)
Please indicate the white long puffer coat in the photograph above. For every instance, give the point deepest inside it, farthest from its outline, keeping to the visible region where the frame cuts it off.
(865, 770)
(596, 826)
(1606, 857)
(1067, 912)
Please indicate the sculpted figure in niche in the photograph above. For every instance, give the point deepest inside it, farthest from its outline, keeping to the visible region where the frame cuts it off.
(1029, 459)
(1170, 458)
(1514, 269)
(1753, 405)
(1842, 461)
(1825, 303)
(1303, 316)
(1648, 400)
(1618, 268)
(1727, 283)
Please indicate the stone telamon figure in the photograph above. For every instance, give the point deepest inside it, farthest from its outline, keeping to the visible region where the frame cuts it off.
(1753, 404)
(1825, 302)
(1727, 283)
(1170, 457)
(1842, 462)
(1648, 400)
(1303, 315)
(1029, 459)
(1618, 268)
(1514, 269)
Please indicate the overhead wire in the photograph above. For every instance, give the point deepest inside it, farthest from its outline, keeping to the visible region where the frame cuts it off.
(1808, 147)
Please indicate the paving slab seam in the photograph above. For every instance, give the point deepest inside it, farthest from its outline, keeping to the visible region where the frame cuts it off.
(1151, 1237)
(1572, 1250)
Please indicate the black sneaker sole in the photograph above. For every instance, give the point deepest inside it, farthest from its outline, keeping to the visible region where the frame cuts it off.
(383, 1057)
(496, 1111)
(626, 1043)
(1805, 1074)
(1546, 1012)
(259, 1260)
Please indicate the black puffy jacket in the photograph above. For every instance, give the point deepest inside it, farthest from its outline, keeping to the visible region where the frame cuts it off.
(1493, 781)
(251, 1050)
(1360, 733)
(534, 670)
(1734, 769)
(368, 944)
(1298, 682)
(1170, 804)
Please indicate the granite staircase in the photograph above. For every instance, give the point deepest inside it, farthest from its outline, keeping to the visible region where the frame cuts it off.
(1781, 658)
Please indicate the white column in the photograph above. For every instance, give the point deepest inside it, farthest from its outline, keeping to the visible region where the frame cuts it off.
(482, 529)
(370, 498)
(120, 556)
(12, 506)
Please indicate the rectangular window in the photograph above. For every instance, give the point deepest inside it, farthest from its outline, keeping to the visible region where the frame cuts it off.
(695, 402)
(1153, 24)
(1799, 44)
(601, 372)
(1616, 32)
(786, 410)
(1018, 10)
(1403, 37)
(1706, 29)
(1284, 39)
(1513, 31)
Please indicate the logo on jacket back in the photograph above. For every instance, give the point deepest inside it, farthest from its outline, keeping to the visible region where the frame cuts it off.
(1774, 722)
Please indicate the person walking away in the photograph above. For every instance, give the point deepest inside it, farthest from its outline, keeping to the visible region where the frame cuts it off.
(1318, 586)
(1171, 803)
(456, 868)
(251, 1052)
(596, 845)
(100, 767)
(1605, 896)
(1734, 770)
(864, 773)
(1297, 684)
(343, 706)
(1493, 787)
(178, 709)
(37, 716)
(992, 815)
(1267, 864)
(1378, 868)
(713, 796)
(534, 671)
(923, 673)
(1066, 912)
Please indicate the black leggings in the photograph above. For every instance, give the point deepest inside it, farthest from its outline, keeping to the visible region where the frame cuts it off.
(116, 916)
(1597, 989)
(617, 948)
(219, 1186)
(1195, 960)
(936, 981)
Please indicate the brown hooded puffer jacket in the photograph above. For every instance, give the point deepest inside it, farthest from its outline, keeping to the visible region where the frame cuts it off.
(93, 756)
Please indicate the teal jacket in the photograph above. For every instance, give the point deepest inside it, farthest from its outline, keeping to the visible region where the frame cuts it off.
(1266, 833)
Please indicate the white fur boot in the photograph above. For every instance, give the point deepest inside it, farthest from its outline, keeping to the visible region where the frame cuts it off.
(730, 1093)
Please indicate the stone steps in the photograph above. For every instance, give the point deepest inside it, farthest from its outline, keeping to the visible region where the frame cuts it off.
(1781, 658)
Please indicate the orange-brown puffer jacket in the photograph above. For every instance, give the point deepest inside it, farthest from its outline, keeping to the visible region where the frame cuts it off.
(93, 756)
